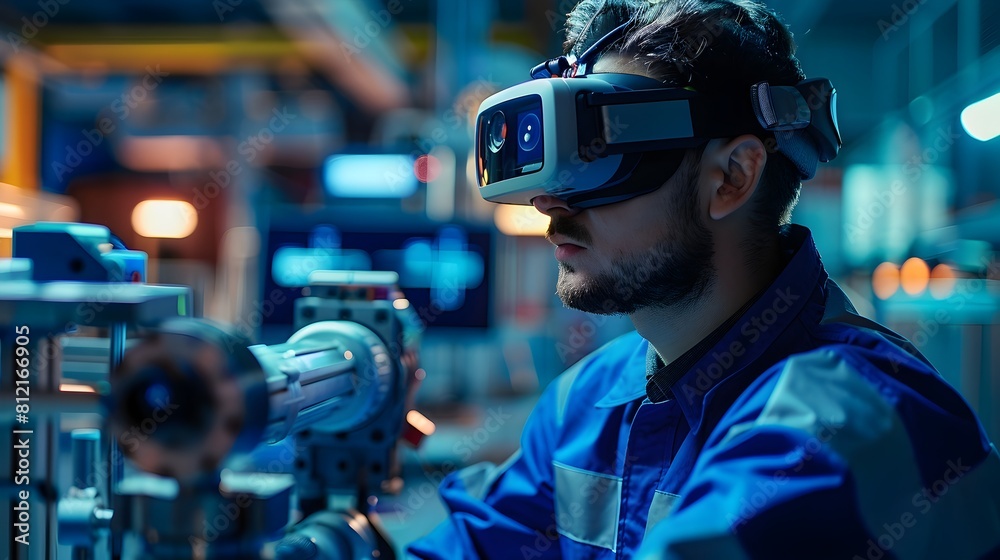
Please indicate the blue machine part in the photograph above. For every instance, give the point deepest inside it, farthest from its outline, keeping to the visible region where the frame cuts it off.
(76, 252)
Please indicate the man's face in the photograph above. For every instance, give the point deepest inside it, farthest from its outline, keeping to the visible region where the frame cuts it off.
(649, 251)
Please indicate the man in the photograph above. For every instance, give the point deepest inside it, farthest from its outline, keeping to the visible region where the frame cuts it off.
(753, 413)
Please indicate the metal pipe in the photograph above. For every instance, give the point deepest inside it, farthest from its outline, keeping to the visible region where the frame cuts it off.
(194, 395)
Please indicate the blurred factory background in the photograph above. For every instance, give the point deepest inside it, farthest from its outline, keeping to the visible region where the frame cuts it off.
(245, 143)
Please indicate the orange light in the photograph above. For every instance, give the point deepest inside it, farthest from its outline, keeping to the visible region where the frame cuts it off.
(420, 422)
(164, 219)
(942, 281)
(75, 388)
(914, 276)
(885, 280)
(513, 219)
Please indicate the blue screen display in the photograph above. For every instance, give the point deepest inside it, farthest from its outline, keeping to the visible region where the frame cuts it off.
(444, 269)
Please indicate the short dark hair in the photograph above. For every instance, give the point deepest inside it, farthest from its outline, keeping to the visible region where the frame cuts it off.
(711, 46)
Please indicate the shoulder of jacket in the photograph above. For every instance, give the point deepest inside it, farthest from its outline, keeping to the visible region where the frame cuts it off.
(829, 389)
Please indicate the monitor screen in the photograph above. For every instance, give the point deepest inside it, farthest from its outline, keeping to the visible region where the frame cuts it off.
(444, 269)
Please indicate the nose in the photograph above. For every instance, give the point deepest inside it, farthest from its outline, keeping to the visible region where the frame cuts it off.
(550, 206)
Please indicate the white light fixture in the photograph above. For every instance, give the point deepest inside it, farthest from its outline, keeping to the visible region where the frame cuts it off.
(165, 219)
(982, 119)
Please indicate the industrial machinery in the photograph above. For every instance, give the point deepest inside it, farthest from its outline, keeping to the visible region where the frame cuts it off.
(188, 410)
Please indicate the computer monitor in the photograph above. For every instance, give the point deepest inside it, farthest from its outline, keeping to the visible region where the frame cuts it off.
(444, 269)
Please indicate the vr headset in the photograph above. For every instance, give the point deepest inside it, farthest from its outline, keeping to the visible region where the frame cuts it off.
(593, 139)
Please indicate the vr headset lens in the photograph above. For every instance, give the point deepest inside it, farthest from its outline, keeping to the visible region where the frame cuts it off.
(510, 140)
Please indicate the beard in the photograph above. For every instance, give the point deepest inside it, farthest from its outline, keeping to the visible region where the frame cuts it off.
(676, 271)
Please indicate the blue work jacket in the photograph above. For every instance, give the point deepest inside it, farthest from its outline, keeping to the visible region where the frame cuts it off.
(807, 431)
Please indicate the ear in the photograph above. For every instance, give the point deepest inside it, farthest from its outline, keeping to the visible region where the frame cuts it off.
(738, 164)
